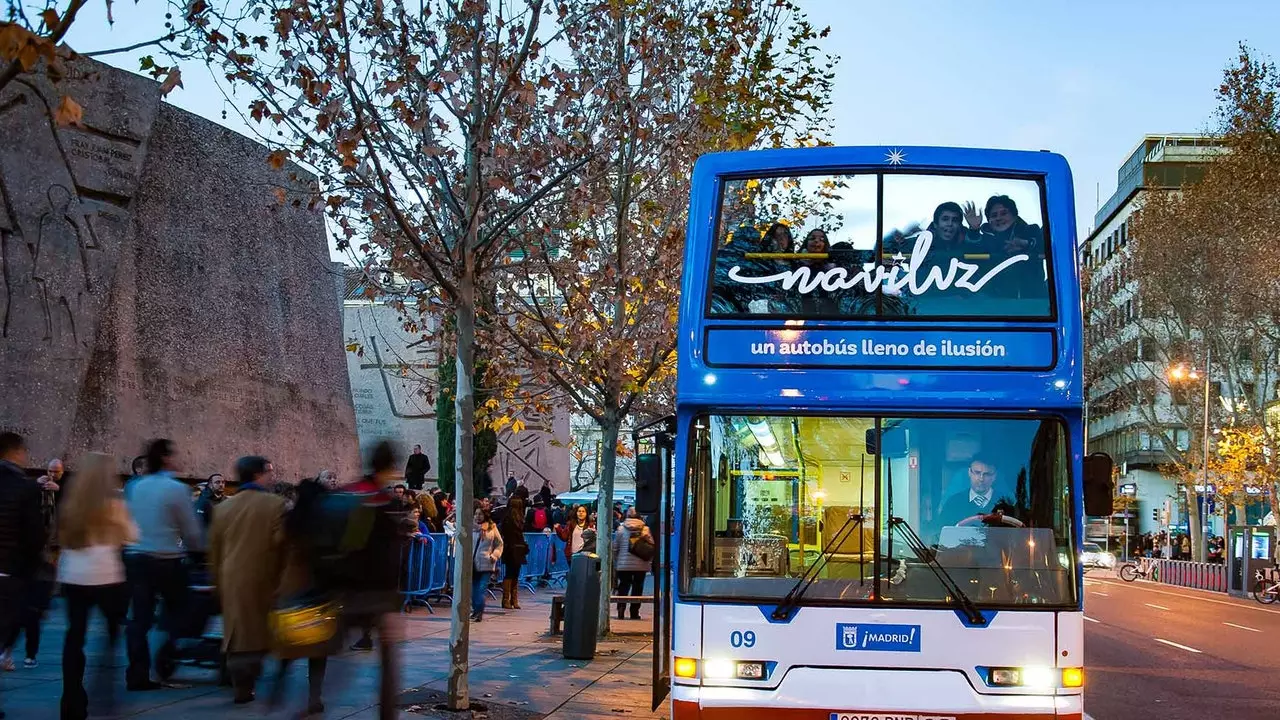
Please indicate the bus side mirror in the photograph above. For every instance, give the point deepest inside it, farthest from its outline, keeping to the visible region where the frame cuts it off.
(648, 483)
(1098, 490)
(891, 443)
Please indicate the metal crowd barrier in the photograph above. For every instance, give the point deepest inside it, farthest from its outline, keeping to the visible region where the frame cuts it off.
(534, 569)
(1202, 576)
(424, 567)
(427, 568)
(558, 566)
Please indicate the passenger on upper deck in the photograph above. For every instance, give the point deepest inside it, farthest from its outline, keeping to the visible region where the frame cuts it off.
(1004, 232)
(819, 301)
(947, 228)
(816, 242)
(777, 239)
(1006, 235)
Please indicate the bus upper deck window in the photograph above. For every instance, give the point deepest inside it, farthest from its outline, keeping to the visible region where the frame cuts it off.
(950, 246)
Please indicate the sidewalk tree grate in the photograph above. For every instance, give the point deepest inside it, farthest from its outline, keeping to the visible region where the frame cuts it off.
(430, 703)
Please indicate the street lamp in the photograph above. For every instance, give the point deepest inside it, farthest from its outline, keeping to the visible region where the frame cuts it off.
(1179, 373)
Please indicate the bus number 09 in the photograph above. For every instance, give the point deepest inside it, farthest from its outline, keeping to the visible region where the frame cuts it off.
(738, 639)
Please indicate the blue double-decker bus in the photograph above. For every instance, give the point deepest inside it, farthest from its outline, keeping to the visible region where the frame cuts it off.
(878, 479)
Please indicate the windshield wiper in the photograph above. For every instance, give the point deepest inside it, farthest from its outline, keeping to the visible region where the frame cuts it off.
(929, 558)
(792, 599)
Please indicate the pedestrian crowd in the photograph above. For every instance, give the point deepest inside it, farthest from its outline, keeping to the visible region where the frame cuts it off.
(290, 568)
(1173, 546)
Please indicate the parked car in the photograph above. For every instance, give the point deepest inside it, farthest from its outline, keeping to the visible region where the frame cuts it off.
(1093, 556)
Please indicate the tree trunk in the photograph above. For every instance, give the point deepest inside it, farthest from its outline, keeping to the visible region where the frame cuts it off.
(1241, 512)
(604, 512)
(463, 549)
(1193, 521)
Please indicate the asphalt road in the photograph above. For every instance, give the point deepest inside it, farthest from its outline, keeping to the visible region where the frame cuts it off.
(1168, 653)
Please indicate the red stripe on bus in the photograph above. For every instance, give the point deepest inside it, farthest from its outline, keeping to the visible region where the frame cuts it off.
(685, 710)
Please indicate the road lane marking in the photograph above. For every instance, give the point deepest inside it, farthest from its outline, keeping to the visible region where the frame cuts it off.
(1153, 605)
(1174, 644)
(1100, 594)
(1150, 587)
(1242, 627)
(1086, 617)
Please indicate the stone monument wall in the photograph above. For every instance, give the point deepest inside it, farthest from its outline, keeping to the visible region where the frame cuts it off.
(394, 386)
(152, 286)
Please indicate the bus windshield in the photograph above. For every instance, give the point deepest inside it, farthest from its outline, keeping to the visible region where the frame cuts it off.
(988, 500)
(882, 244)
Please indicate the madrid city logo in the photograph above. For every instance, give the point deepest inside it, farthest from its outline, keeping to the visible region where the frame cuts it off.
(877, 637)
(849, 637)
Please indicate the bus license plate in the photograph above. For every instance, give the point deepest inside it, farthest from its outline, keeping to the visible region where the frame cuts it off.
(886, 716)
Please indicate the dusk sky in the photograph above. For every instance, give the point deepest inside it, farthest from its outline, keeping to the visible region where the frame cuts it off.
(1086, 78)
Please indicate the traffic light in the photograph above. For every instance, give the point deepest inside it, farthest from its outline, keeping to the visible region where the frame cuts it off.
(1155, 514)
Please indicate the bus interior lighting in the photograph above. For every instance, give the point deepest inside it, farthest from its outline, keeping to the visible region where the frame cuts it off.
(768, 442)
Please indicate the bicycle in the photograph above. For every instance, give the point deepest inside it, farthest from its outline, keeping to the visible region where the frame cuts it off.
(1265, 591)
(1145, 568)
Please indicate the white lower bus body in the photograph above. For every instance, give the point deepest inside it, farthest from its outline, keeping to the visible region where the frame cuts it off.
(868, 663)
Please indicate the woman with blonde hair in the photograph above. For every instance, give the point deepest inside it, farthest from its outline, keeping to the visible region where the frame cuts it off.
(93, 527)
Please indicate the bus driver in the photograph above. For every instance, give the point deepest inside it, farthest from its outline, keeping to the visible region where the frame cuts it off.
(980, 498)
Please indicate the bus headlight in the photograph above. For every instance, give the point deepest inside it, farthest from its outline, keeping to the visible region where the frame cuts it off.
(722, 669)
(718, 668)
(1037, 678)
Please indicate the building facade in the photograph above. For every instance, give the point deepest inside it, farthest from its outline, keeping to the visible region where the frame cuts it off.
(1122, 348)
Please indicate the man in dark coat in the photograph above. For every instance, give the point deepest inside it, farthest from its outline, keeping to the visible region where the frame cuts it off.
(415, 469)
(22, 533)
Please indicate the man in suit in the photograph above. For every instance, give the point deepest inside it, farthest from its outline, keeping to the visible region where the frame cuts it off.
(978, 499)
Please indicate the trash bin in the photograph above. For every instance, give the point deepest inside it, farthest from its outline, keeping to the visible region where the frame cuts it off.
(581, 607)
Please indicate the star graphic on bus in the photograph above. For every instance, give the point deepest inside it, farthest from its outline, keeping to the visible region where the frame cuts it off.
(895, 157)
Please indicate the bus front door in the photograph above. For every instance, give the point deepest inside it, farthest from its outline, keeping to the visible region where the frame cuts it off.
(655, 447)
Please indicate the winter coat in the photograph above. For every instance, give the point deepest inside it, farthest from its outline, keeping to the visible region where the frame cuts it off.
(515, 549)
(566, 532)
(246, 559)
(1025, 279)
(488, 547)
(205, 506)
(22, 534)
(623, 559)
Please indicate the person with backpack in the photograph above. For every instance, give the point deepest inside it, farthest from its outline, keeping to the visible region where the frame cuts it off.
(633, 551)
(539, 520)
(359, 561)
(515, 550)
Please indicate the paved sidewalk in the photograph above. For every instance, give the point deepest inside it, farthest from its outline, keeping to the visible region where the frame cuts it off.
(516, 669)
